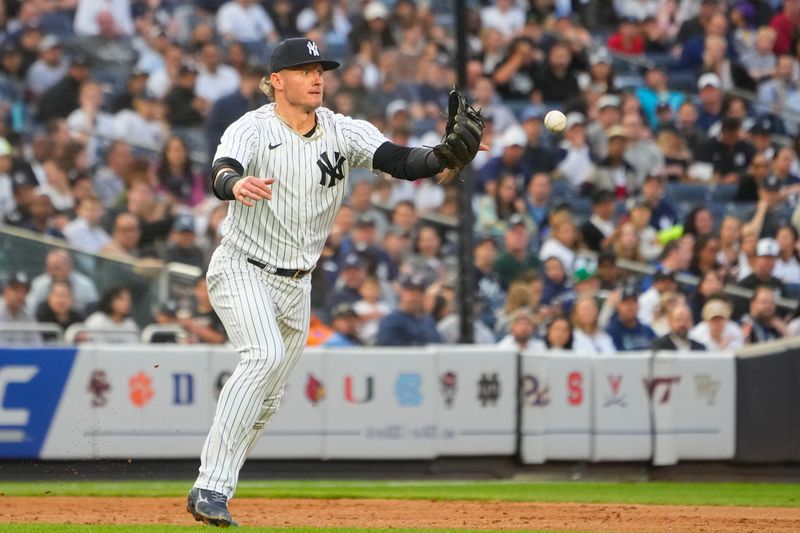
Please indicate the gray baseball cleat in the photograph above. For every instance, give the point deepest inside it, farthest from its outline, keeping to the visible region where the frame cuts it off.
(209, 507)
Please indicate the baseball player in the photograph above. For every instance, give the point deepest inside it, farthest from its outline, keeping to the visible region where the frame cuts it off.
(284, 168)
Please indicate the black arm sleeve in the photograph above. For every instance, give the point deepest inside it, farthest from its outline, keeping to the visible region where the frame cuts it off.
(406, 163)
(223, 187)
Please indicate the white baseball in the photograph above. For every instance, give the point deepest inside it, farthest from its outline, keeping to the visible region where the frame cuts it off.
(555, 121)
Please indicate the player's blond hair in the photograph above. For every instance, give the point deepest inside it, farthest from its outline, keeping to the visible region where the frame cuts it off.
(267, 88)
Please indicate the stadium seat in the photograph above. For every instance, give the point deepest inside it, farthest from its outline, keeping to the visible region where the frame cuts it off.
(692, 193)
(724, 192)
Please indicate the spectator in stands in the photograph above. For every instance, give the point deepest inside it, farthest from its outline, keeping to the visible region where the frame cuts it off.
(404, 217)
(486, 100)
(597, 231)
(49, 68)
(520, 294)
(663, 214)
(760, 168)
(555, 82)
(215, 78)
(628, 37)
(521, 331)
(85, 231)
(184, 109)
(503, 16)
(562, 243)
(112, 318)
(62, 98)
(488, 285)
(361, 202)
(345, 322)
(511, 161)
(710, 94)
(58, 307)
(515, 75)
(125, 237)
(408, 325)
(155, 218)
(588, 338)
(352, 274)
(12, 311)
(717, 331)
(642, 152)
(371, 308)
(649, 245)
(89, 14)
(613, 173)
(495, 210)
(108, 179)
(559, 334)
(760, 60)
(166, 315)
(183, 247)
(608, 115)
(555, 280)
(787, 266)
(42, 217)
(782, 169)
(143, 127)
(201, 322)
(729, 153)
(517, 257)
(768, 215)
(767, 252)
(663, 283)
(656, 91)
(577, 164)
(680, 322)
(625, 242)
(429, 257)
(161, 79)
(779, 93)
(710, 285)
(538, 200)
(58, 267)
(245, 21)
(177, 176)
(686, 124)
(230, 107)
(784, 24)
(625, 329)
(763, 323)
(364, 242)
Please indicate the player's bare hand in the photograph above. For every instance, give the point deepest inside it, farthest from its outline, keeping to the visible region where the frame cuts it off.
(484, 148)
(251, 189)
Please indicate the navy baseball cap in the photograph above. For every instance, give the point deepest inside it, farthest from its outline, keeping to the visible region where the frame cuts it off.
(298, 51)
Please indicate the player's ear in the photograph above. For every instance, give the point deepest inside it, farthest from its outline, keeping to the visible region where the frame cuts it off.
(275, 79)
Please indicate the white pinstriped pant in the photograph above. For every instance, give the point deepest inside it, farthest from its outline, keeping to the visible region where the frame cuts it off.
(266, 318)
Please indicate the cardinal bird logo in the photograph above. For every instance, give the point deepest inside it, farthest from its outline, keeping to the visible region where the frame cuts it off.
(315, 391)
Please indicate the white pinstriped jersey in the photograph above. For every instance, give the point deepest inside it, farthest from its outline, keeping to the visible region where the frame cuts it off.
(310, 175)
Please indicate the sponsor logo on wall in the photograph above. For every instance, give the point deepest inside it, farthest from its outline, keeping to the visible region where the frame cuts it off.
(706, 388)
(364, 393)
(488, 389)
(448, 385)
(664, 384)
(575, 388)
(616, 397)
(315, 391)
(536, 393)
(140, 388)
(406, 389)
(182, 389)
(99, 387)
(222, 377)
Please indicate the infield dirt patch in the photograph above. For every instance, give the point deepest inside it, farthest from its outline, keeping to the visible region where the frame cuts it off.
(409, 513)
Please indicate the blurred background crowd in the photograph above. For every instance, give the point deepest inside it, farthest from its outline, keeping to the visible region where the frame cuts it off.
(666, 214)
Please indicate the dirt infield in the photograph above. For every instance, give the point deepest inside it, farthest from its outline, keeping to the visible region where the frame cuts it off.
(409, 513)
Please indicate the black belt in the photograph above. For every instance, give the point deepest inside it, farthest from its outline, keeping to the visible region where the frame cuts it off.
(285, 272)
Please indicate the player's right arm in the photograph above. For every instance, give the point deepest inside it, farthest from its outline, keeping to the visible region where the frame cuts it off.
(236, 148)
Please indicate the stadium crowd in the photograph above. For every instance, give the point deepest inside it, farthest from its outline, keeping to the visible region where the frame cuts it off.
(680, 152)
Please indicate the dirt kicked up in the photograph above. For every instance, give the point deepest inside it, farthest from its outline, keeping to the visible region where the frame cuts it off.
(408, 513)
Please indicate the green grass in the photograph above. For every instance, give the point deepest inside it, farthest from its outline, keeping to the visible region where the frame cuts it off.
(747, 494)
(48, 528)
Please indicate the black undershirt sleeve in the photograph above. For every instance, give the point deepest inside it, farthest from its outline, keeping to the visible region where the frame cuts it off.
(406, 163)
(222, 187)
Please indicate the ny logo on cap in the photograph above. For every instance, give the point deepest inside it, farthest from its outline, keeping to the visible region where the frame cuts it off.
(312, 49)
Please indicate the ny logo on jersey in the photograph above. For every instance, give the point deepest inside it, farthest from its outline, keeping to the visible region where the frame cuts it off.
(312, 49)
(333, 171)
